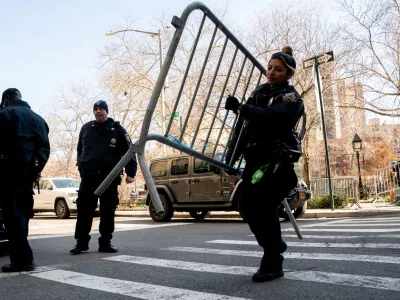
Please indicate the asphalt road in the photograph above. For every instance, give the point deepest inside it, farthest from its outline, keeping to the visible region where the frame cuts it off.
(353, 258)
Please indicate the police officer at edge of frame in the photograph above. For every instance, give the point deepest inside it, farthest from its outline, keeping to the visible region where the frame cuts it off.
(101, 145)
(24, 151)
(268, 143)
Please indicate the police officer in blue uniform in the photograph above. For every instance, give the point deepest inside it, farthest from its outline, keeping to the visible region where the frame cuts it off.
(270, 146)
(24, 151)
(101, 145)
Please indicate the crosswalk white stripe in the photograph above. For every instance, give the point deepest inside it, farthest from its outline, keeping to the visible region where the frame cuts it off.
(383, 283)
(127, 288)
(314, 245)
(359, 224)
(343, 230)
(314, 256)
(183, 265)
(394, 236)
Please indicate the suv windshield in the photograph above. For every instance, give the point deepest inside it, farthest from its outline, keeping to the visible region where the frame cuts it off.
(66, 183)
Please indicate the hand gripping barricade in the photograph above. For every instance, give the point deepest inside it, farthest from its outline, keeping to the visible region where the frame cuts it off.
(226, 67)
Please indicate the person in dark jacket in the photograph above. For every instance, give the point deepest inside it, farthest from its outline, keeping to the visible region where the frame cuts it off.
(24, 151)
(101, 145)
(268, 142)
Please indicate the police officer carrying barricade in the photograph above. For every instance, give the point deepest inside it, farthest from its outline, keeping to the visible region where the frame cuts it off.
(24, 151)
(270, 146)
(101, 145)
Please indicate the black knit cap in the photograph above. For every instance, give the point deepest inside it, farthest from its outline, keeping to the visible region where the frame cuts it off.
(286, 55)
(102, 104)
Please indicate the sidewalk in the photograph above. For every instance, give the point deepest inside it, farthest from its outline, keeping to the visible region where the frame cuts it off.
(367, 209)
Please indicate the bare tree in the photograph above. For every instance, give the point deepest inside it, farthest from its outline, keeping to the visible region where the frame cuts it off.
(372, 30)
(66, 116)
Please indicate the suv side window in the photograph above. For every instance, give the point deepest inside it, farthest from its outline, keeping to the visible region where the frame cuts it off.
(180, 166)
(200, 166)
(159, 168)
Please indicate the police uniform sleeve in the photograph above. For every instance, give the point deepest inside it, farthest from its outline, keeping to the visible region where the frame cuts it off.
(289, 108)
(43, 145)
(232, 143)
(131, 167)
(79, 147)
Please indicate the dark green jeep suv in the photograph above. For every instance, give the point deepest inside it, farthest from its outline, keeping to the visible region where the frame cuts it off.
(189, 184)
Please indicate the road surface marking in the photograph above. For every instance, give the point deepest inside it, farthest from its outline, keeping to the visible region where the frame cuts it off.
(127, 288)
(314, 245)
(290, 255)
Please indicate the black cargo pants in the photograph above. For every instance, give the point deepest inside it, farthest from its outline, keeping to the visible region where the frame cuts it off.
(86, 206)
(16, 202)
(258, 204)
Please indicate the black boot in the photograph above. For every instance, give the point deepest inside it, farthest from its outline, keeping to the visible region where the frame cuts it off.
(31, 266)
(79, 247)
(270, 269)
(107, 247)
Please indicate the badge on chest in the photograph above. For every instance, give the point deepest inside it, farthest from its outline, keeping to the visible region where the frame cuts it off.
(113, 142)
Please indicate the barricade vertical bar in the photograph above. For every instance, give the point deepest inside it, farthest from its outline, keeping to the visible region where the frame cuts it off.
(209, 92)
(220, 100)
(198, 84)
(227, 112)
(237, 117)
(186, 73)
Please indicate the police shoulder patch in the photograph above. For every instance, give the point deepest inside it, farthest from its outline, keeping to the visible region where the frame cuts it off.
(290, 97)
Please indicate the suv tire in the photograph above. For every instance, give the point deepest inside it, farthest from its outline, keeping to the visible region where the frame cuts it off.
(61, 209)
(166, 216)
(297, 213)
(199, 214)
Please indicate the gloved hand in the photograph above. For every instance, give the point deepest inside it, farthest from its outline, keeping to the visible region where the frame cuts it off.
(231, 103)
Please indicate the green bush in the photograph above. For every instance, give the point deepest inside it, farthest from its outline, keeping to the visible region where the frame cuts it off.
(324, 201)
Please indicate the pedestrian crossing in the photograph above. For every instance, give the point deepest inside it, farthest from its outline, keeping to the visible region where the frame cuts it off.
(359, 248)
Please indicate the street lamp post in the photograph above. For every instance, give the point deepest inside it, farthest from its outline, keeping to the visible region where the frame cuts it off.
(357, 147)
(158, 34)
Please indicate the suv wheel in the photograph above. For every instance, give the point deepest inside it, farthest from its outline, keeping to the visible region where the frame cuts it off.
(62, 210)
(166, 216)
(199, 215)
(297, 213)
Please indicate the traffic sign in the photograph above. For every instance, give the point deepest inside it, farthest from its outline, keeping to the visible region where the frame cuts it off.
(322, 58)
(175, 115)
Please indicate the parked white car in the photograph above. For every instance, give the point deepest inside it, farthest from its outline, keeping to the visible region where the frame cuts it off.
(56, 194)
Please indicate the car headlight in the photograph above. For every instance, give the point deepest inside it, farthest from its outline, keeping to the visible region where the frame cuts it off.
(73, 194)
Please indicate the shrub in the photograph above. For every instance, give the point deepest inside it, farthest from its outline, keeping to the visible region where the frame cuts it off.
(324, 201)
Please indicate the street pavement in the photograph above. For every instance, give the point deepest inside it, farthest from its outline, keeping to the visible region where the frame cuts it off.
(338, 258)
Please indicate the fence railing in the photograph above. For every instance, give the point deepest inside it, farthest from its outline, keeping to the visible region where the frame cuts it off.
(387, 183)
(343, 186)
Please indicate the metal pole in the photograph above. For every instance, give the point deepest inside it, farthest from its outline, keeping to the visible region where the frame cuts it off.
(324, 131)
(292, 219)
(162, 92)
(360, 187)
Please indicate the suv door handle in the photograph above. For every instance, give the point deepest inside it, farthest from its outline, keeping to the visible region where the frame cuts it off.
(174, 181)
(195, 180)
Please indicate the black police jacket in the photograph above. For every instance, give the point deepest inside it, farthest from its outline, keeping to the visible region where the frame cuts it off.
(270, 116)
(102, 145)
(23, 137)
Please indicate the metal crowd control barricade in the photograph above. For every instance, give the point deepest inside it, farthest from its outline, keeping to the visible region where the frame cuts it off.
(227, 68)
